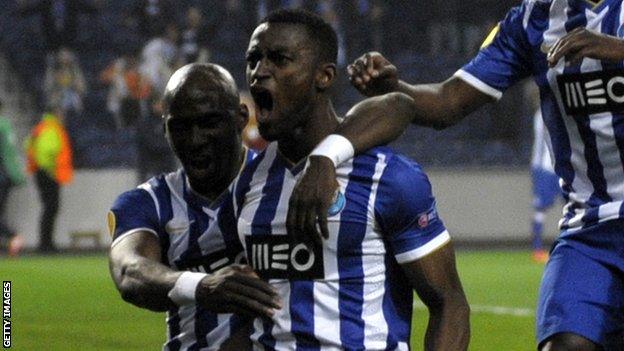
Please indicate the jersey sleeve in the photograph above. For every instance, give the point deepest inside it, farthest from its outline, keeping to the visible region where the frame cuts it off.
(133, 211)
(503, 59)
(405, 209)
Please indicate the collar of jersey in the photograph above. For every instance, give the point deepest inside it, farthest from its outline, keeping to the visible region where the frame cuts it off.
(294, 168)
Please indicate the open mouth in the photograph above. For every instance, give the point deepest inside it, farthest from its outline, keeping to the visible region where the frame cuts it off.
(264, 103)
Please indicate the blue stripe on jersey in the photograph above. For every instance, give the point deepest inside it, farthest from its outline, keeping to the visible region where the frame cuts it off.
(204, 323)
(245, 180)
(301, 310)
(352, 230)
(559, 138)
(198, 225)
(261, 224)
(227, 225)
(173, 323)
(397, 302)
(163, 195)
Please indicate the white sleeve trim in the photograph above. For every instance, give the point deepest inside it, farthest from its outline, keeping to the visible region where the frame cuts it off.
(133, 231)
(424, 250)
(478, 84)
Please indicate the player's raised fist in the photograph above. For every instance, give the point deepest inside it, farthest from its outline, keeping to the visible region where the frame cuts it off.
(237, 289)
(372, 74)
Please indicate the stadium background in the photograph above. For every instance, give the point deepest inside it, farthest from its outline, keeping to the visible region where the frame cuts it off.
(479, 168)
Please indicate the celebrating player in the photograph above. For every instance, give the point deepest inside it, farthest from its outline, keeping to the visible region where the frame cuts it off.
(174, 222)
(168, 253)
(353, 291)
(574, 49)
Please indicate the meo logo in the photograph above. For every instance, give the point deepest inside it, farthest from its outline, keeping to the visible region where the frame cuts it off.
(276, 257)
(593, 92)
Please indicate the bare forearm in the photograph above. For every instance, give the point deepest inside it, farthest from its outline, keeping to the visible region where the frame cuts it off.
(377, 120)
(144, 282)
(442, 105)
(449, 327)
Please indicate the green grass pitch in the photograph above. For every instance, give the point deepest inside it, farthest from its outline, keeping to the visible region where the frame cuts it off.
(70, 303)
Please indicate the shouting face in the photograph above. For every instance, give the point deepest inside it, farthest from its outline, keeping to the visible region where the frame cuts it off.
(281, 70)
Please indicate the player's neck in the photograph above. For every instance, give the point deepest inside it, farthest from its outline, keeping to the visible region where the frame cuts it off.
(321, 122)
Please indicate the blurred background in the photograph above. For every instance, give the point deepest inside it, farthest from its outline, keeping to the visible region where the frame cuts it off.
(103, 66)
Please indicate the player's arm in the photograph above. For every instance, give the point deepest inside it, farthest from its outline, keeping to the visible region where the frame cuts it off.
(437, 105)
(374, 121)
(145, 282)
(139, 276)
(435, 280)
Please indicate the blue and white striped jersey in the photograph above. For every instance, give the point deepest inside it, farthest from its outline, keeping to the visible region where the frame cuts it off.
(189, 229)
(540, 155)
(582, 104)
(350, 293)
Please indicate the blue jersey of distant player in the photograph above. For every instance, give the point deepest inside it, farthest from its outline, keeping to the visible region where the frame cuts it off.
(189, 229)
(350, 293)
(582, 104)
(545, 182)
(583, 109)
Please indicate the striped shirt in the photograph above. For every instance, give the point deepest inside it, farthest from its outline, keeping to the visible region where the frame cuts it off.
(582, 104)
(350, 293)
(189, 229)
(540, 155)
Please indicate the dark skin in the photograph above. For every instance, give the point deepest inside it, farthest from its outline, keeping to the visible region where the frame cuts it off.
(301, 116)
(201, 113)
(380, 119)
(444, 104)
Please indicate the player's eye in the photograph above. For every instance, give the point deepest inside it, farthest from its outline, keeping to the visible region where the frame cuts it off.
(252, 59)
(177, 126)
(278, 58)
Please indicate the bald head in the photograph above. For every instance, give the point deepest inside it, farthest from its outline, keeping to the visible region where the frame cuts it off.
(199, 83)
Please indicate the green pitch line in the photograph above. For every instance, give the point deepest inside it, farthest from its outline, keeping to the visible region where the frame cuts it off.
(70, 303)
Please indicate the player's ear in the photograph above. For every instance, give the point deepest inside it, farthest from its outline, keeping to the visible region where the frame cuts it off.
(325, 76)
(243, 116)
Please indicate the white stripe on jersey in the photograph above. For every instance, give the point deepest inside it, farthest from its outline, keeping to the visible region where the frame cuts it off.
(542, 147)
(374, 266)
(180, 221)
(136, 230)
(325, 306)
(426, 249)
(479, 85)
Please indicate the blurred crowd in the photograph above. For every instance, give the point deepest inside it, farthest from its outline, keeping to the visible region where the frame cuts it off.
(104, 64)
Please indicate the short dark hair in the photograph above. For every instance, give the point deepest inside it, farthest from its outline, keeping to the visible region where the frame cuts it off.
(318, 29)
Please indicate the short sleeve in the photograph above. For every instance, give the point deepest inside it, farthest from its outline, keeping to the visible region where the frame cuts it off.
(503, 61)
(405, 209)
(133, 210)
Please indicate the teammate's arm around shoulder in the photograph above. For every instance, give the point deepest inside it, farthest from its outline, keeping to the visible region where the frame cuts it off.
(141, 279)
(437, 105)
(145, 282)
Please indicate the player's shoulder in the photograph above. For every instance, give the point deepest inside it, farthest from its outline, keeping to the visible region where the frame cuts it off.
(394, 163)
(147, 192)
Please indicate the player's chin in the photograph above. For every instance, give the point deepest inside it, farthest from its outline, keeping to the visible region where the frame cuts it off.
(199, 172)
